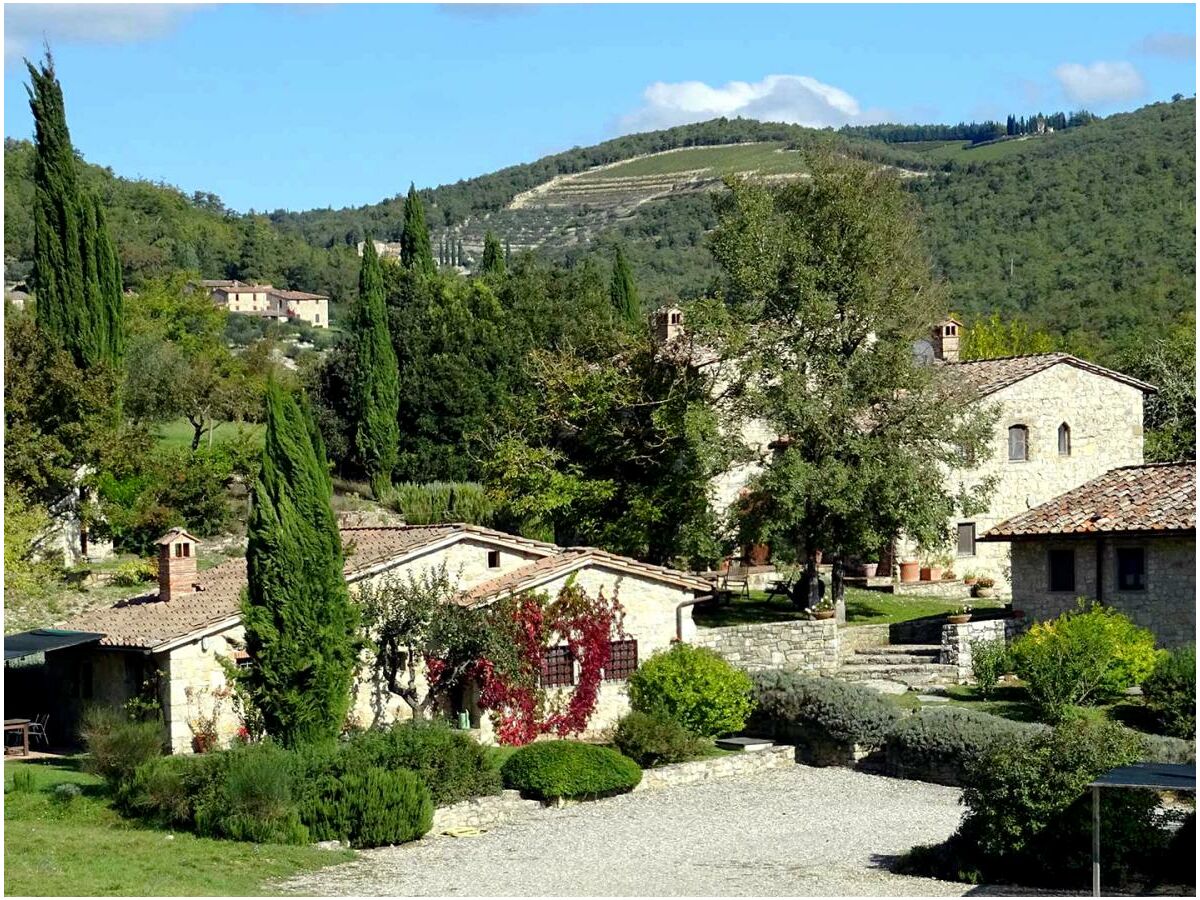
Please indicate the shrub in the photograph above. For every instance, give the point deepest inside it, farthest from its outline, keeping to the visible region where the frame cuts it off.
(167, 790)
(652, 739)
(1170, 692)
(441, 501)
(451, 763)
(989, 660)
(117, 746)
(23, 781)
(371, 807)
(133, 573)
(694, 686)
(1082, 657)
(1162, 749)
(549, 770)
(1029, 809)
(846, 713)
(253, 798)
(941, 744)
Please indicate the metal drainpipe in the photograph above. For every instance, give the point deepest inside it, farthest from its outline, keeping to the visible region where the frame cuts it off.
(695, 601)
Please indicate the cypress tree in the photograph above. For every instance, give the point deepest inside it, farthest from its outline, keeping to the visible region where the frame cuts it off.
(301, 627)
(415, 250)
(76, 273)
(375, 385)
(493, 256)
(623, 292)
(461, 257)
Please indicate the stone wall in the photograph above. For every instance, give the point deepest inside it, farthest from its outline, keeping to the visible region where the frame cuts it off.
(956, 640)
(1167, 606)
(802, 645)
(484, 812)
(726, 766)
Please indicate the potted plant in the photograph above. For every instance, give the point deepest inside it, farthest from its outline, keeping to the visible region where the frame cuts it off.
(822, 609)
(970, 578)
(869, 569)
(910, 571)
(960, 615)
(984, 587)
(931, 572)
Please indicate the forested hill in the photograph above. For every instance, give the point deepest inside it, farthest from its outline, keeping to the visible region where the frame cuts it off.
(1087, 232)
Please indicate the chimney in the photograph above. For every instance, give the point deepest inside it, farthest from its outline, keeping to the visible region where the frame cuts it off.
(945, 340)
(668, 323)
(176, 564)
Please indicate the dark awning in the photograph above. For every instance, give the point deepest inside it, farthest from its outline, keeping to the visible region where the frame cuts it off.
(42, 640)
(1160, 776)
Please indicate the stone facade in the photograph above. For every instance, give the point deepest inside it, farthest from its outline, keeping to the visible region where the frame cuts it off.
(1105, 421)
(956, 641)
(802, 645)
(1167, 605)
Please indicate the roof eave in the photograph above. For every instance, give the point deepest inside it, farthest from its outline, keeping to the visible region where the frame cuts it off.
(1083, 535)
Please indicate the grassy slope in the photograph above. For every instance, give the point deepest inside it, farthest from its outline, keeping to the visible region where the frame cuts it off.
(179, 433)
(83, 847)
(862, 608)
(767, 158)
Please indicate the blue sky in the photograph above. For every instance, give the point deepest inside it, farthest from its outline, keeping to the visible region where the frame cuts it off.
(326, 105)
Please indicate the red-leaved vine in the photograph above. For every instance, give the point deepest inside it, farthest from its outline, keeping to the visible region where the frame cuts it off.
(510, 677)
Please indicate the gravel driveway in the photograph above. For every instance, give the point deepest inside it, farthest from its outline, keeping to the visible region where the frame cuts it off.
(799, 831)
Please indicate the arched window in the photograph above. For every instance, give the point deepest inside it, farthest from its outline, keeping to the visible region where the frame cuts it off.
(1018, 443)
(1064, 439)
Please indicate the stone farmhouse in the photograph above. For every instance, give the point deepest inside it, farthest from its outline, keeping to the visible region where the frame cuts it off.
(1061, 421)
(1126, 538)
(184, 629)
(270, 302)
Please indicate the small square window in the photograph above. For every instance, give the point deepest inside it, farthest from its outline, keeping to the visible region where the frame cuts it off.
(493, 559)
(1131, 569)
(966, 538)
(1062, 569)
(622, 660)
(558, 667)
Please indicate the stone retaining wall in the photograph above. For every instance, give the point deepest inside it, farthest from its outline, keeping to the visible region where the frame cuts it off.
(956, 640)
(802, 645)
(484, 812)
(726, 766)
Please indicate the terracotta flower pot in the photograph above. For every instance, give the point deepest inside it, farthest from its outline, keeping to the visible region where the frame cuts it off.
(931, 573)
(910, 571)
(959, 620)
(970, 582)
(869, 569)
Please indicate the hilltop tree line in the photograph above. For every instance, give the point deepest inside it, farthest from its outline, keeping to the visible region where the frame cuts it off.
(975, 132)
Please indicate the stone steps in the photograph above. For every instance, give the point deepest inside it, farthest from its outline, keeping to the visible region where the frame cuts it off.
(863, 657)
(912, 674)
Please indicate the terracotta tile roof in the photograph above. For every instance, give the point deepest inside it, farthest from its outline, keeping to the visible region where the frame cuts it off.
(297, 295)
(146, 622)
(573, 558)
(1158, 497)
(986, 376)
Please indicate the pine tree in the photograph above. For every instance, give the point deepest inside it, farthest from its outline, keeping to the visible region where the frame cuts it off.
(415, 250)
(493, 258)
(375, 399)
(623, 292)
(301, 627)
(76, 272)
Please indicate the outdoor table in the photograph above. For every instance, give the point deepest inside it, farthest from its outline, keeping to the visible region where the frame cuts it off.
(1156, 776)
(21, 725)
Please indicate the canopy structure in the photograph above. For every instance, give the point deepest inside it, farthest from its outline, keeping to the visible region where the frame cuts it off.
(1153, 776)
(42, 640)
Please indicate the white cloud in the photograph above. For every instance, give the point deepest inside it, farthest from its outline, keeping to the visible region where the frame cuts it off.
(797, 99)
(1101, 82)
(26, 25)
(1169, 44)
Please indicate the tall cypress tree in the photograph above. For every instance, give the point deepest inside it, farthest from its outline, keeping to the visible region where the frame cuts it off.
(623, 292)
(415, 250)
(76, 273)
(493, 256)
(301, 627)
(375, 385)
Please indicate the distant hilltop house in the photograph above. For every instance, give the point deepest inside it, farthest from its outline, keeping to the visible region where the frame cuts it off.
(1061, 421)
(269, 302)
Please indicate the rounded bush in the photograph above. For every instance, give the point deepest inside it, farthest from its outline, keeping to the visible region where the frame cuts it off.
(1170, 692)
(845, 713)
(253, 798)
(550, 770)
(696, 687)
(371, 807)
(652, 739)
(941, 744)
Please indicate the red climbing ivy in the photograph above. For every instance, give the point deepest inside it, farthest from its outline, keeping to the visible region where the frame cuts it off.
(510, 675)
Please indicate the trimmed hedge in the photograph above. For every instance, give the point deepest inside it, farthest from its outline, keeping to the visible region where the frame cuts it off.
(653, 739)
(845, 713)
(695, 686)
(550, 770)
(940, 744)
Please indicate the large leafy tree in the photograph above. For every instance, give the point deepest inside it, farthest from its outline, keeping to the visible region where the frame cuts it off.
(828, 287)
(375, 395)
(1169, 363)
(623, 292)
(416, 251)
(76, 273)
(301, 626)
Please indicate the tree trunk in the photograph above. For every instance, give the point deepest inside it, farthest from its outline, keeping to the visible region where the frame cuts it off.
(197, 431)
(838, 588)
(808, 589)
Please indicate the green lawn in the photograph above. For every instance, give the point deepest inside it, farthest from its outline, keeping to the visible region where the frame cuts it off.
(178, 433)
(766, 157)
(81, 846)
(1011, 701)
(863, 607)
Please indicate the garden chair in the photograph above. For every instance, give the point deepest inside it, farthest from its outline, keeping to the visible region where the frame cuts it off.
(37, 728)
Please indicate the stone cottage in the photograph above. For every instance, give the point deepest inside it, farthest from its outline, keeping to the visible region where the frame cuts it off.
(1127, 538)
(172, 641)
